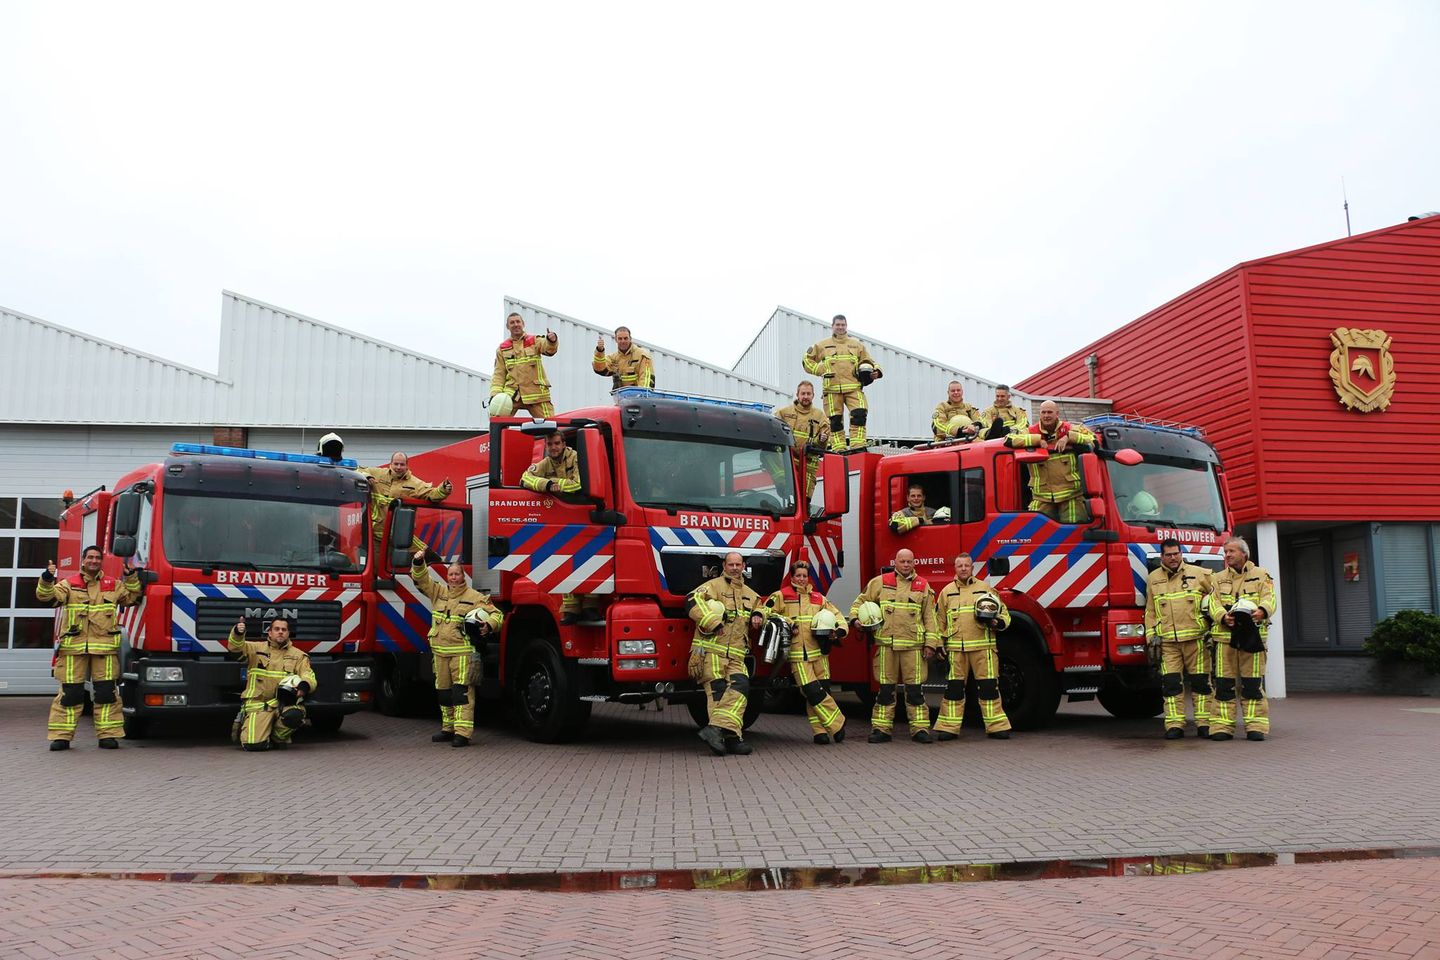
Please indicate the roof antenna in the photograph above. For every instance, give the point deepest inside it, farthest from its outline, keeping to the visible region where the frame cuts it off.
(1346, 198)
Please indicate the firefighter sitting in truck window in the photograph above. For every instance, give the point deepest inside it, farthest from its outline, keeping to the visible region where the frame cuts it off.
(915, 513)
(271, 705)
(89, 647)
(1056, 489)
(558, 471)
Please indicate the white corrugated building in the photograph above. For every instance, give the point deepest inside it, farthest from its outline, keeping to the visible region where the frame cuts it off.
(900, 403)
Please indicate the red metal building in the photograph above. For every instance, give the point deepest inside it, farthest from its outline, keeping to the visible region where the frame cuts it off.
(1317, 375)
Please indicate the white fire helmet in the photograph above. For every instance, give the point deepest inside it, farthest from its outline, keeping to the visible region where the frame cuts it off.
(501, 405)
(987, 609)
(957, 423)
(1244, 606)
(870, 615)
(330, 446)
(1143, 504)
(823, 625)
(292, 682)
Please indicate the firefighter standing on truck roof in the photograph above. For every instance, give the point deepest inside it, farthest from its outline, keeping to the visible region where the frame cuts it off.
(558, 471)
(970, 614)
(89, 647)
(452, 603)
(629, 366)
(1175, 595)
(1003, 417)
(278, 678)
(519, 372)
(725, 610)
(394, 481)
(905, 638)
(1055, 487)
(802, 605)
(810, 429)
(848, 369)
(942, 421)
(1242, 589)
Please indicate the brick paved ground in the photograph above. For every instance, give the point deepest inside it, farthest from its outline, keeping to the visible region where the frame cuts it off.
(1356, 911)
(640, 792)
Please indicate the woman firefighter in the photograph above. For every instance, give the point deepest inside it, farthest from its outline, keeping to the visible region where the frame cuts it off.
(816, 624)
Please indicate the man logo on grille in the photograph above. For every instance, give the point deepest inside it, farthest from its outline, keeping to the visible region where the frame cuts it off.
(270, 613)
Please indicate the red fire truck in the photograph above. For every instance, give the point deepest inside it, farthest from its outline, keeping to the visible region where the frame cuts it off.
(670, 484)
(1076, 592)
(224, 533)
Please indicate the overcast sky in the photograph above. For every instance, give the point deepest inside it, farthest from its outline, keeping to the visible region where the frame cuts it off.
(995, 186)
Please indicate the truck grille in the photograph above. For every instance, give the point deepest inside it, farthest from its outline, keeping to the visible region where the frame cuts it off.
(312, 621)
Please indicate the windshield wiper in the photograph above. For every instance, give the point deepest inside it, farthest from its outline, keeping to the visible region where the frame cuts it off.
(231, 565)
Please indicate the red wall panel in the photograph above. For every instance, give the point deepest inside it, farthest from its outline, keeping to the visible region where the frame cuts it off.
(1186, 361)
(1247, 357)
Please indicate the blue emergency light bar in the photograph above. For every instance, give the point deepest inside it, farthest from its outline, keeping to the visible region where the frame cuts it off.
(246, 453)
(644, 393)
(1147, 423)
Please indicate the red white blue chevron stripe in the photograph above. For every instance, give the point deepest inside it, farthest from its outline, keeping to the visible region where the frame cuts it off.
(183, 597)
(575, 558)
(402, 616)
(1050, 562)
(742, 540)
(824, 560)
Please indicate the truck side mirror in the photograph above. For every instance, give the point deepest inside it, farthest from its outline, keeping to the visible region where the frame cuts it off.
(517, 452)
(594, 464)
(835, 473)
(402, 533)
(126, 527)
(1090, 470)
(1097, 509)
(1129, 457)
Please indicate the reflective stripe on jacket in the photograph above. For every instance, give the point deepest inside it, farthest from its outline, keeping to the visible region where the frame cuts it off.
(956, 611)
(90, 610)
(1175, 603)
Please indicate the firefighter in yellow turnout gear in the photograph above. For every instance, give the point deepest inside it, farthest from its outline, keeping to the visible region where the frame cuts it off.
(725, 610)
(942, 421)
(89, 647)
(519, 371)
(394, 481)
(839, 358)
(971, 613)
(628, 366)
(451, 603)
(1012, 419)
(810, 430)
(1175, 595)
(558, 471)
(907, 636)
(800, 603)
(1055, 485)
(914, 514)
(1242, 589)
(270, 710)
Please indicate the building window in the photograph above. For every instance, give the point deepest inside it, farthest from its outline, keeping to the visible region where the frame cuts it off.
(29, 536)
(1407, 579)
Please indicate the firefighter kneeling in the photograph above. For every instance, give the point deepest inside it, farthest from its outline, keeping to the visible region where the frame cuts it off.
(277, 680)
(725, 610)
(970, 613)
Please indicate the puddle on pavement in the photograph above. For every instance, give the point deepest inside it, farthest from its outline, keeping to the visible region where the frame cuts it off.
(782, 878)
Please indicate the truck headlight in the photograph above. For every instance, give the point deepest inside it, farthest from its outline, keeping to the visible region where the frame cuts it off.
(1130, 649)
(1125, 631)
(164, 674)
(637, 646)
(357, 673)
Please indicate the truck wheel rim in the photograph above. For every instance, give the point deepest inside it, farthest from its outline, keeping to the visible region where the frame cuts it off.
(538, 693)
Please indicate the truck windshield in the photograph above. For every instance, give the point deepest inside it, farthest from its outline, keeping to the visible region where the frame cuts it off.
(702, 474)
(1168, 492)
(252, 534)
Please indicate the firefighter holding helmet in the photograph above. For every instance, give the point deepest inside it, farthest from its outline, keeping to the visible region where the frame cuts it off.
(898, 610)
(1241, 605)
(848, 369)
(278, 679)
(725, 610)
(816, 625)
(971, 614)
(89, 646)
(457, 611)
(953, 417)
(519, 376)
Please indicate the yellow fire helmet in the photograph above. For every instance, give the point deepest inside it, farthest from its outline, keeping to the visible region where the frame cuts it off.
(957, 423)
(823, 625)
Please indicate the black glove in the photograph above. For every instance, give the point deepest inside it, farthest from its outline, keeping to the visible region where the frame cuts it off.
(286, 697)
(304, 688)
(46, 576)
